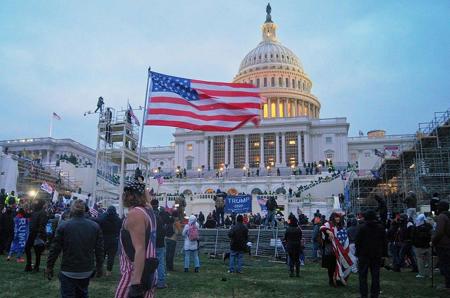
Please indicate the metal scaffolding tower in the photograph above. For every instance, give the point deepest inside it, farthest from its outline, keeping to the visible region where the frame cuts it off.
(116, 155)
(423, 168)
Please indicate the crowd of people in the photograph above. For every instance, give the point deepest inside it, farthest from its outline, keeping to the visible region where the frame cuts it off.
(147, 239)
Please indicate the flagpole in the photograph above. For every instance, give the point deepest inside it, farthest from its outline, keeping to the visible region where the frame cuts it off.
(143, 117)
(51, 126)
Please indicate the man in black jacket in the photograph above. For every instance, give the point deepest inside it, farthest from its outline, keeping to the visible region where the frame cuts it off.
(441, 241)
(162, 218)
(370, 244)
(110, 224)
(81, 241)
(238, 235)
(37, 236)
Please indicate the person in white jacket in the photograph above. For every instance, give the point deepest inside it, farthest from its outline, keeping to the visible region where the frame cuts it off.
(191, 237)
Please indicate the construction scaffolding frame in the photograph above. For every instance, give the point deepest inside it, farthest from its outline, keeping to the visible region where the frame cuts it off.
(116, 155)
(422, 167)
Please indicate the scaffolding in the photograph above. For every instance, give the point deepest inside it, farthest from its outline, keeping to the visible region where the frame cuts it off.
(422, 167)
(117, 155)
(433, 157)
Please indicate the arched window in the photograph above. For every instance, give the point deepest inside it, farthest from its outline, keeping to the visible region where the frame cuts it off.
(280, 82)
(299, 84)
(272, 82)
(257, 83)
(293, 83)
(287, 82)
(265, 82)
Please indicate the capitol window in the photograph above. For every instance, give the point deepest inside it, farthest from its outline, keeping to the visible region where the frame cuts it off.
(265, 111)
(293, 83)
(257, 83)
(189, 164)
(189, 147)
(272, 82)
(328, 140)
(265, 82)
(287, 82)
(280, 82)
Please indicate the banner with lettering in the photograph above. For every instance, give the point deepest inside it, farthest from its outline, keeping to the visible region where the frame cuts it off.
(238, 204)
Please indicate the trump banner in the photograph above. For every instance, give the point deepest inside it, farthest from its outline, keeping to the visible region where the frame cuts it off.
(238, 204)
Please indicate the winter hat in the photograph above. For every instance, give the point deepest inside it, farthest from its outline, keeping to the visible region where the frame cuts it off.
(192, 219)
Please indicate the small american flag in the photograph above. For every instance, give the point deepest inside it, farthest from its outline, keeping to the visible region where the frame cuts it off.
(201, 105)
(56, 116)
(130, 109)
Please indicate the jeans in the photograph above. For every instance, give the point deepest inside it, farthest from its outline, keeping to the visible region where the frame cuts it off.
(236, 255)
(396, 260)
(187, 254)
(444, 264)
(161, 255)
(170, 253)
(407, 251)
(73, 288)
(220, 213)
(270, 217)
(315, 250)
(423, 256)
(364, 265)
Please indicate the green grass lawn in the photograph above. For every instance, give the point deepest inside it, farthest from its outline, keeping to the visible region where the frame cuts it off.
(260, 279)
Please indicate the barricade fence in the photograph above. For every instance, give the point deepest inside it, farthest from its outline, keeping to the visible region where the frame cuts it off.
(264, 242)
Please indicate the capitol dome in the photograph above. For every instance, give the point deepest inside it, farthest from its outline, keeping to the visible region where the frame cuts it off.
(279, 73)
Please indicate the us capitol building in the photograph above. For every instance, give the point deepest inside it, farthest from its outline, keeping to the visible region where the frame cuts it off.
(291, 135)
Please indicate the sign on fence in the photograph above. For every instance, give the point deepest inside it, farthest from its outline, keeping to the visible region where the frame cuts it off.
(238, 204)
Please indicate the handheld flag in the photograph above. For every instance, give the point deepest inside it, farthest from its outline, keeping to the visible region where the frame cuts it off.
(201, 105)
(46, 187)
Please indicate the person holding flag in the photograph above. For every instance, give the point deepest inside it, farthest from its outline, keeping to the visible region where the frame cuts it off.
(336, 256)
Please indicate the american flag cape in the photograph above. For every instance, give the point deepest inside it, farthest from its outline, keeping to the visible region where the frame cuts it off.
(341, 249)
(201, 105)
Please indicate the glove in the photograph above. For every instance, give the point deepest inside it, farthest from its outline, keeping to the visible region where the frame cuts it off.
(136, 291)
(48, 273)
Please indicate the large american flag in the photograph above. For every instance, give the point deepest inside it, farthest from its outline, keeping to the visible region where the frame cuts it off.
(341, 249)
(201, 105)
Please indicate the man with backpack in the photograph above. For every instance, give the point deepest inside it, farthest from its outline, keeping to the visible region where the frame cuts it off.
(238, 235)
(441, 241)
(272, 206)
(162, 218)
(421, 242)
(191, 239)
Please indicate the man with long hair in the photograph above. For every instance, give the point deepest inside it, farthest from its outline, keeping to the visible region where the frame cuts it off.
(137, 245)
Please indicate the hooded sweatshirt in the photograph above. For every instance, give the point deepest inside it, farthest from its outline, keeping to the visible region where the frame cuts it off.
(190, 244)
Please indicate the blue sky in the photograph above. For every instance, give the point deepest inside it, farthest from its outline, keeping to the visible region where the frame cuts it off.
(381, 64)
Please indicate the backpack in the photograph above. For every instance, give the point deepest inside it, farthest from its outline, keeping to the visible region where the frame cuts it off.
(193, 232)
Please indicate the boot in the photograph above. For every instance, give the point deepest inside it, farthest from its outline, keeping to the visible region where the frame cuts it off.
(196, 269)
(186, 269)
